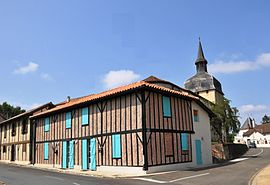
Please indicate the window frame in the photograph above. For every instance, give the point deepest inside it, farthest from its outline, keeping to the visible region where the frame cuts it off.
(69, 120)
(13, 129)
(24, 126)
(47, 124)
(196, 117)
(184, 146)
(166, 99)
(116, 154)
(46, 155)
(83, 115)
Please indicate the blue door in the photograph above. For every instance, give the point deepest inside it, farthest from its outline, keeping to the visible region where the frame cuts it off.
(84, 154)
(64, 155)
(93, 154)
(198, 151)
(71, 155)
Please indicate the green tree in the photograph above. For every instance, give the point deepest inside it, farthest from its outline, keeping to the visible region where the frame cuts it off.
(265, 119)
(225, 122)
(9, 111)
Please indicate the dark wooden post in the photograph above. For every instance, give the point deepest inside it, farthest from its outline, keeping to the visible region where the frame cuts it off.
(145, 153)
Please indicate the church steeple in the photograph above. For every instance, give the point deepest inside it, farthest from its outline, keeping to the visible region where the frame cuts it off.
(201, 62)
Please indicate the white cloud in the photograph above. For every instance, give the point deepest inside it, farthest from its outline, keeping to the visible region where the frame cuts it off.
(249, 108)
(233, 66)
(254, 111)
(31, 67)
(120, 77)
(46, 76)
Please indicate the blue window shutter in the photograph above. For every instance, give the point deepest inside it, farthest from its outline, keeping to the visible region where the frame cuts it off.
(46, 151)
(116, 141)
(184, 141)
(84, 154)
(64, 155)
(93, 163)
(68, 120)
(85, 116)
(71, 154)
(166, 106)
(47, 124)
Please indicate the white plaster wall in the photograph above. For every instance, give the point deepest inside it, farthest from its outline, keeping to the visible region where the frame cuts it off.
(259, 139)
(202, 132)
(239, 137)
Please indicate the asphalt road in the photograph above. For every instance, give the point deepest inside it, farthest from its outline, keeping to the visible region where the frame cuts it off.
(233, 173)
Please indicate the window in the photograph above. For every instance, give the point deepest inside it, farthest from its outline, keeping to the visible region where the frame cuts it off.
(5, 131)
(85, 116)
(168, 144)
(4, 149)
(166, 103)
(24, 126)
(184, 141)
(24, 147)
(46, 151)
(47, 124)
(195, 115)
(68, 120)
(13, 129)
(116, 146)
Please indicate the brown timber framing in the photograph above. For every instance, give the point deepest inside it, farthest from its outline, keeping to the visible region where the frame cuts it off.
(136, 114)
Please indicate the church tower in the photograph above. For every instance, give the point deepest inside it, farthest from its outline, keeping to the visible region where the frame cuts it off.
(202, 82)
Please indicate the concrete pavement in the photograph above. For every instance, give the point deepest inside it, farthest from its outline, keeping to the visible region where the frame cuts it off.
(236, 172)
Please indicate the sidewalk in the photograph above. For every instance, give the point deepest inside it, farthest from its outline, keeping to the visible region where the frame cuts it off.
(262, 178)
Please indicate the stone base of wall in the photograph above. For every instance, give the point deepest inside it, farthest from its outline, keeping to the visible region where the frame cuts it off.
(222, 152)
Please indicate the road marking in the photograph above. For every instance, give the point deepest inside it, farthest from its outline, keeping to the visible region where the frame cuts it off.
(180, 179)
(258, 153)
(75, 183)
(159, 173)
(238, 159)
(190, 177)
(52, 177)
(151, 180)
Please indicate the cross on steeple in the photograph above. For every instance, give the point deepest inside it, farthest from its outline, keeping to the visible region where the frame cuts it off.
(201, 62)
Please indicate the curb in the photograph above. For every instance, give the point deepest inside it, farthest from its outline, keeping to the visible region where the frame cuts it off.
(250, 182)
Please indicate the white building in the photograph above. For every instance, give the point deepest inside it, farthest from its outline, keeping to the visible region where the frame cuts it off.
(250, 132)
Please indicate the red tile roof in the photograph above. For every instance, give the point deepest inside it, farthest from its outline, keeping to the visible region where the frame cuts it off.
(111, 92)
(263, 129)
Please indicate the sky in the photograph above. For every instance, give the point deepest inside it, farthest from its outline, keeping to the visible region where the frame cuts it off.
(53, 49)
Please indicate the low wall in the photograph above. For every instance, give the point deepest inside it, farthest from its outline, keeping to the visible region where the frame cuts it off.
(228, 151)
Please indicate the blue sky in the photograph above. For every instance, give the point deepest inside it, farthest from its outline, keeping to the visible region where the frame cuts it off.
(53, 49)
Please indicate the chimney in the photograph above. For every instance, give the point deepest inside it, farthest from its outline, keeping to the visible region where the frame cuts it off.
(68, 99)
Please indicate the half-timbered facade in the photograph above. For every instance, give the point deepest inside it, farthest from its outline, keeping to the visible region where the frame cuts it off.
(16, 137)
(147, 124)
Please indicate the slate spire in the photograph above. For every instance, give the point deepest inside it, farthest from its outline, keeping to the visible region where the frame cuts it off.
(201, 62)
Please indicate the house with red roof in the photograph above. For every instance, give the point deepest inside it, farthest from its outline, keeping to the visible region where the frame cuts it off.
(147, 126)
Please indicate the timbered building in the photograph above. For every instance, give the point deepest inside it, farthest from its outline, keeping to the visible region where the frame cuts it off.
(16, 136)
(147, 125)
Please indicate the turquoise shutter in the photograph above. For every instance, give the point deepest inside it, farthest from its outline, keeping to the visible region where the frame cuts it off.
(47, 124)
(85, 116)
(166, 106)
(184, 141)
(71, 154)
(198, 151)
(68, 120)
(116, 141)
(84, 154)
(46, 151)
(93, 154)
(64, 155)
